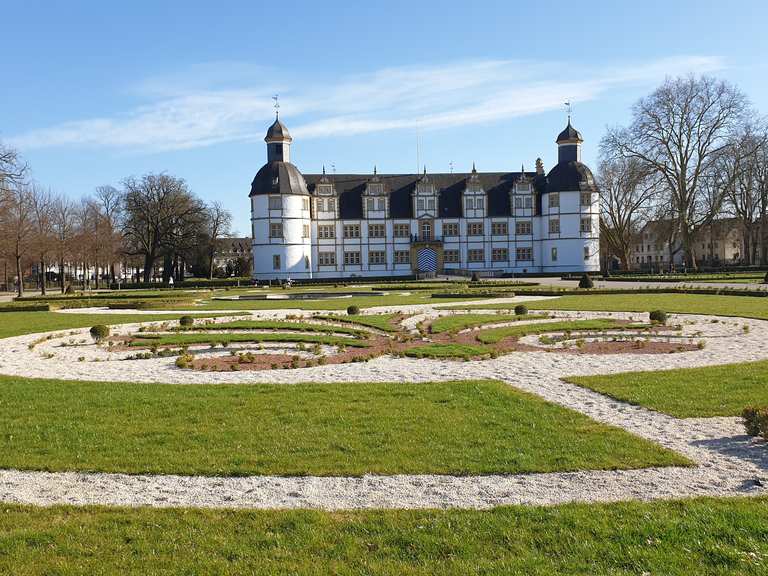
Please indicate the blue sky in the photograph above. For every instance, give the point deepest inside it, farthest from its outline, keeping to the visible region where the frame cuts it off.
(97, 91)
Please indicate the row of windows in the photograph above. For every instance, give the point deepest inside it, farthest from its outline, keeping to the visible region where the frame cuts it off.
(522, 228)
(379, 257)
(329, 204)
(276, 230)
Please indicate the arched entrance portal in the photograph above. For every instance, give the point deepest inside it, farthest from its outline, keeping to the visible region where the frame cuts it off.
(426, 260)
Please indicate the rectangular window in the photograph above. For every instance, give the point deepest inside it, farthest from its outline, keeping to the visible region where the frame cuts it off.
(369, 204)
(586, 253)
(586, 226)
(420, 204)
(320, 204)
(523, 228)
(451, 256)
(376, 231)
(554, 200)
(554, 225)
(330, 204)
(275, 203)
(381, 204)
(524, 254)
(351, 230)
(499, 255)
(475, 228)
(479, 203)
(499, 229)
(451, 229)
(518, 202)
(430, 204)
(529, 202)
(276, 262)
(554, 254)
(377, 257)
(470, 204)
(326, 231)
(586, 199)
(305, 203)
(305, 231)
(276, 230)
(402, 230)
(326, 258)
(402, 257)
(351, 258)
(475, 255)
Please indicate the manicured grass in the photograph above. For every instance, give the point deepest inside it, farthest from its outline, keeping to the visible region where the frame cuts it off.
(269, 325)
(746, 306)
(465, 351)
(495, 335)
(144, 339)
(379, 321)
(458, 322)
(689, 392)
(713, 537)
(475, 427)
(19, 323)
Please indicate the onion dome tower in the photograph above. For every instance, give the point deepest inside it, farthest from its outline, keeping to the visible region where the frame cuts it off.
(280, 213)
(569, 209)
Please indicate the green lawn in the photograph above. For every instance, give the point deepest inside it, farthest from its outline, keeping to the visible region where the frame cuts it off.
(269, 325)
(458, 322)
(495, 335)
(689, 392)
(746, 306)
(379, 321)
(19, 323)
(465, 351)
(143, 339)
(476, 427)
(702, 537)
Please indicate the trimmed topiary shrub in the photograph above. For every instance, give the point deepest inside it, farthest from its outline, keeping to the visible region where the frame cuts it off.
(586, 282)
(186, 321)
(475, 277)
(353, 310)
(756, 421)
(658, 316)
(521, 310)
(99, 332)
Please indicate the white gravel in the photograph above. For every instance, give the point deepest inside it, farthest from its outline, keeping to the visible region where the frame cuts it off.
(728, 462)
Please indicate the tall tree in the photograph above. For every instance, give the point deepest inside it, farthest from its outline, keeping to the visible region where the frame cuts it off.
(627, 191)
(63, 225)
(678, 132)
(42, 207)
(218, 225)
(18, 227)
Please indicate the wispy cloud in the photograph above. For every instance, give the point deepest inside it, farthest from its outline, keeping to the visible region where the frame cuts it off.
(213, 103)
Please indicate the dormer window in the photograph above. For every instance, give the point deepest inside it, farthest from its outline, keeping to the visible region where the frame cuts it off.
(425, 200)
(375, 199)
(474, 196)
(325, 199)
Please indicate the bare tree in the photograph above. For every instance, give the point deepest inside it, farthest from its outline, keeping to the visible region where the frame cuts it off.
(18, 227)
(63, 224)
(159, 211)
(678, 132)
(108, 198)
(218, 226)
(12, 168)
(627, 191)
(42, 208)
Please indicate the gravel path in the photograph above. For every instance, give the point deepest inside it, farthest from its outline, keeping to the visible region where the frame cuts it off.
(728, 462)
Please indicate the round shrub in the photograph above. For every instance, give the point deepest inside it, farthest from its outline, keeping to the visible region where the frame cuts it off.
(99, 332)
(521, 310)
(186, 321)
(658, 316)
(586, 282)
(353, 310)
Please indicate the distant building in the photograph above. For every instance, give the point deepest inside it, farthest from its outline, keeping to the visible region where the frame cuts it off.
(233, 256)
(657, 247)
(343, 225)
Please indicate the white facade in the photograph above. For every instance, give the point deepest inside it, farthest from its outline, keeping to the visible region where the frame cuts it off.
(542, 231)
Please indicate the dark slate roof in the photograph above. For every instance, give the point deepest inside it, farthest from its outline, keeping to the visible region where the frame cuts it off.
(350, 188)
(570, 176)
(570, 133)
(278, 131)
(278, 178)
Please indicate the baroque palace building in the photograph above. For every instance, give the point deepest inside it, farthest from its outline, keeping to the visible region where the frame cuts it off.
(346, 225)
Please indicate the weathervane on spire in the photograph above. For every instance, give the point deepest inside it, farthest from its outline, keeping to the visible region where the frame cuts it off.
(570, 109)
(276, 105)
